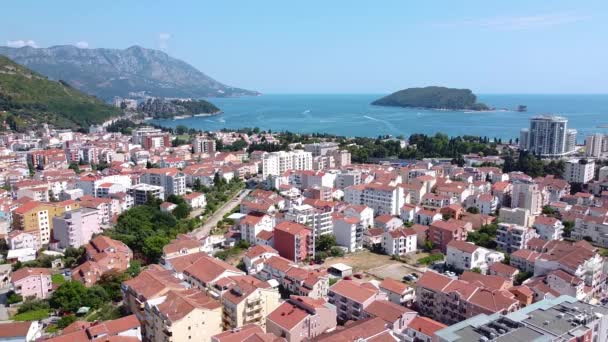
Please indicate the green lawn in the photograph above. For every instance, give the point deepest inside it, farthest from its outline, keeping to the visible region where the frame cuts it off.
(34, 315)
(58, 279)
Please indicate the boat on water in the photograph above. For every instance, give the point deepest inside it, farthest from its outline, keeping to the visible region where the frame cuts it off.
(521, 108)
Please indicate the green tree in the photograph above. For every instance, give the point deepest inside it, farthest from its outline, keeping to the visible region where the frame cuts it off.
(65, 321)
(134, 268)
(476, 270)
(181, 129)
(153, 247)
(182, 211)
(473, 210)
(325, 242)
(70, 296)
(111, 283)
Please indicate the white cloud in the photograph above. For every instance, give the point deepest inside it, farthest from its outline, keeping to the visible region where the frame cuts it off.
(21, 43)
(163, 40)
(82, 44)
(516, 23)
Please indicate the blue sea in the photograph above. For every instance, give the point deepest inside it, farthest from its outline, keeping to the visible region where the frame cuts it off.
(352, 115)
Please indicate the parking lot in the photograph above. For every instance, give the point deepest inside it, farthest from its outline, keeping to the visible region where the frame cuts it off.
(395, 271)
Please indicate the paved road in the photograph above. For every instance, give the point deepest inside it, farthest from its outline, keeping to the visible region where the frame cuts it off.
(3, 308)
(212, 221)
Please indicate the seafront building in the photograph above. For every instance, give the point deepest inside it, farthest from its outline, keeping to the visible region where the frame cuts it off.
(548, 136)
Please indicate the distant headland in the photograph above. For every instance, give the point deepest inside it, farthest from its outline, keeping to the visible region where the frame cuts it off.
(433, 98)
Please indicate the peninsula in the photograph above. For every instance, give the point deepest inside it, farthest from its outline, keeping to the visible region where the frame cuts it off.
(433, 98)
(162, 109)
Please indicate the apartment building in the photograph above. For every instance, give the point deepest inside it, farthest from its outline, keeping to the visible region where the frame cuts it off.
(276, 163)
(203, 144)
(301, 319)
(104, 255)
(76, 228)
(37, 217)
(579, 171)
(548, 228)
(172, 180)
(296, 280)
(294, 241)
(441, 233)
(256, 256)
(511, 237)
(97, 186)
(527, 195)
(142, 193)
(187, 315)
(348, 178)
(348, 232)
(464, 256)
(400, 241)
(32, 282)
(450, 301)
(247, 300)
(351, 298)
(249, 332)
(383, 199)
(152, 283)
(518, 216)
(397, 292)
(318, 219)
(204, 272)
(252, 224)
(364, 214)
(554, 319)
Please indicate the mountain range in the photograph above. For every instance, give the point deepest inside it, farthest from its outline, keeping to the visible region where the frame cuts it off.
(106, 73)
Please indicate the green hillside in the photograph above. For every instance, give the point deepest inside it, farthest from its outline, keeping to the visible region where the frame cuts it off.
(30, 98)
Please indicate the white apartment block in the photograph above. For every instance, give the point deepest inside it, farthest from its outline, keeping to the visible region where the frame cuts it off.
(319, 220)
(595, 145)
(172, 180)
(548, 228)
(276, 163)
(348, 232)
(90, 184)
(464, 256)
(76, 228)
(579, 171)
(400, 241)
(348, 178)
(511, 237)
(383, 199)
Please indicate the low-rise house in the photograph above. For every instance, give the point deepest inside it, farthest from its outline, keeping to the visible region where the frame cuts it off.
(503, 270)
(20, 331)
(206, 271)
(124, 329)
(387, 222)
(249, 332)
(373, 237)
(301, 319)
(397, 292)
(426, 217)
(182, 245)
(408, 212)
(32, 282)
(396, 316)
(195, 200)
(365, 330)
(423, 329)
(256, 256)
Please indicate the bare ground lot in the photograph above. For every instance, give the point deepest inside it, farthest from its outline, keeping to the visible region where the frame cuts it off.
(377, 265)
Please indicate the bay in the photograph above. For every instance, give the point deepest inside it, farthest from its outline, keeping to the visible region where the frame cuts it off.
(352, 115)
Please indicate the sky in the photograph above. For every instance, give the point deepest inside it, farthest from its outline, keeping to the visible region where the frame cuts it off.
(344, 46)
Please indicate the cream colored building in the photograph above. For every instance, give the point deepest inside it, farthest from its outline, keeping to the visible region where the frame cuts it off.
(188, 315)
(249, 301)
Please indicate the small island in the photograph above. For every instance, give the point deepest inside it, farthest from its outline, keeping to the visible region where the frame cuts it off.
(163, 109)
(433, 98)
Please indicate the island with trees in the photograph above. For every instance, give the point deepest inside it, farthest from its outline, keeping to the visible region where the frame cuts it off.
(433, 98)
(162, 109)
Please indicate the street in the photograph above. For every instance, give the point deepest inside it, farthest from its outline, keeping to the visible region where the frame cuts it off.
(213, 220)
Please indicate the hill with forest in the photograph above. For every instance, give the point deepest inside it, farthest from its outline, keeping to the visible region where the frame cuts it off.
(126, 73)
(433, 98)
(160, 108)
(28, 98)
